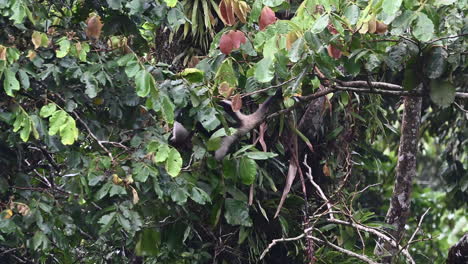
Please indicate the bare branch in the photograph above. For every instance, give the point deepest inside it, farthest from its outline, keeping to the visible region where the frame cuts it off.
(417, 228)
(377, 233)
(343, 250)
(320, 191)
(275, 241)
(268, 88)
(383, 85)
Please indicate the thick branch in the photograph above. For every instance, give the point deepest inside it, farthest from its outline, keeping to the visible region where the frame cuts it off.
(399, 210)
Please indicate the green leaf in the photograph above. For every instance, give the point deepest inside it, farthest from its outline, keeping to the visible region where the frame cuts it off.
(229, 168)
(247, 170)
(132, 68)
(174, 163)
(260, 155)
(40, 239)
(352, 14)
(162, 154)
(199, 196)
(149, 242)
(424, 28)
(101, 193)
(208, 119)
(117, 189)
(297, 50)
(24, 134)
(69, 132)
(320, 24)
(10, 83)
(64, 47)
(24, 79)
(435, 62)
(192, 75)
(106, 219)
(48, 110)
(19, 12)
(442, 93)
(391, 7)
(272, 3)
(226, 73)
(237, 213)
(144, 82)
(264, 70)
(167, 108)
(171, 3)
(57, 121)
(124, 60)
(179, 195)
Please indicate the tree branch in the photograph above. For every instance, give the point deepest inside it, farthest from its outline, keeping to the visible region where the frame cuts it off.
(344, 251)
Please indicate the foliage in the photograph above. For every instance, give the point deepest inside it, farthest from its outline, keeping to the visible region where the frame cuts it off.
(88, 173)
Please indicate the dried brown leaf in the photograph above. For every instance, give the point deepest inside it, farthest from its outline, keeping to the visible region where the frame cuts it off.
(236, 104)
(292, 171)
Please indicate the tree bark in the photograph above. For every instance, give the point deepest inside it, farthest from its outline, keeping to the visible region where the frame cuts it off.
(399, 210)
(458, 253)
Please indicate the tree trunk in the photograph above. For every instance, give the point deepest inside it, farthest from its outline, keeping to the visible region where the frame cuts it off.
(399, 210)
(458, 253)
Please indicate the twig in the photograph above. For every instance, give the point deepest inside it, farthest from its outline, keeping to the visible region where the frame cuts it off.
(417, 228)
(320, 191)
(117, 144)
(343, 250)
(460, 107)
(93, 136)
(383, 85)
(457, 36)
(377, 233)
(88, 129)
(268, 88)
(275, 241)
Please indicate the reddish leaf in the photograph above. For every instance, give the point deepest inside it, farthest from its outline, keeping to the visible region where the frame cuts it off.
(261, 136)
(238, 38)
(267, 17)
(226, 44)
(223, 11)
(236, 104)
(289, 180)
(333, 52)
(227, 12)
(94, 27)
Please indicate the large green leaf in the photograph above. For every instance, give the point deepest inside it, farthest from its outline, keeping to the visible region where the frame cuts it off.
(264, 70)
(320, 24)
(10, 83)
(435, 62)
(424, 28)
(247, 170)
(442, 93)
(390, 7)
(173, 163)
(144, 83)
(237, 213)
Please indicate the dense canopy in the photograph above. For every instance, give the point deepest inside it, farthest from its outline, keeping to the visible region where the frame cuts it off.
(233, 131)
